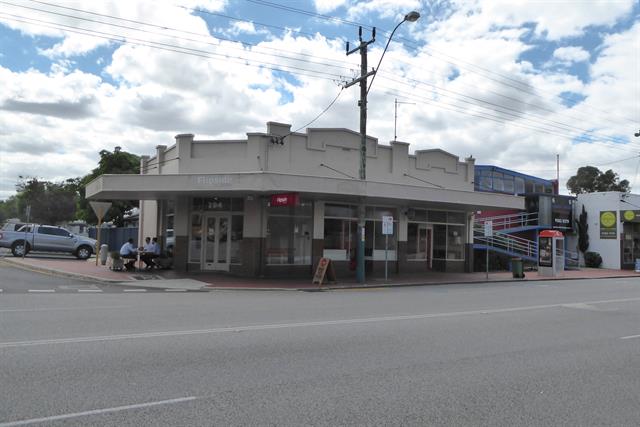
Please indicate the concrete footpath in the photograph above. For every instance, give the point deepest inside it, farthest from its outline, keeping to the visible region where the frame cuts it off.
(170, 279)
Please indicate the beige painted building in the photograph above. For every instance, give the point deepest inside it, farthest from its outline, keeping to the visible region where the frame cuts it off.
(275, 203)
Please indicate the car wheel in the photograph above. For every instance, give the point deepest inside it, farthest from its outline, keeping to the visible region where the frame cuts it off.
(18, 248)
(83, 252)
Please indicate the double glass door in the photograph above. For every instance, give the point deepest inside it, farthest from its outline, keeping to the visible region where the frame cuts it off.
(217, 246)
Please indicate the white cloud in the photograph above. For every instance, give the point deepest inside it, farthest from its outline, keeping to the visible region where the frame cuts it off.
(326, 6)
(471, 92)
(571, 54)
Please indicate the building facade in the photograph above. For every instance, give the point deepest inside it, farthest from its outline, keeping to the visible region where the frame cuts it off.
(276, 202)
(614, 227)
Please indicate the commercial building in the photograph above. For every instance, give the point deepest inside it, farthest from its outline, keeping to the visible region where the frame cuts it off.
(614, 227)
(276, 202)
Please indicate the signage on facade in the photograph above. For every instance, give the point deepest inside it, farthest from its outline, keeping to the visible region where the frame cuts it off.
(630, 216)
(288, 199)
(561, 210)
(387, 225)
(608, 225)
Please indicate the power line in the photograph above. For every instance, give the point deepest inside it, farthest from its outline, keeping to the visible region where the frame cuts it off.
(483, 115)
(499, 108)
(173, 36)
(530, 89)
(180, 49)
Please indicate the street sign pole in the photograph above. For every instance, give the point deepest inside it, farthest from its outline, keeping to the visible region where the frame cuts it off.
(24, 242)
(488, 233)
(387, 228)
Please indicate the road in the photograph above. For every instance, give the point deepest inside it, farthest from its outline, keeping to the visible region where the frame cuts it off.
(558, 353)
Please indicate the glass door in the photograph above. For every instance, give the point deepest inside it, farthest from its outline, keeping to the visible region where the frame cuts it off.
(216, 250)
(425, 244)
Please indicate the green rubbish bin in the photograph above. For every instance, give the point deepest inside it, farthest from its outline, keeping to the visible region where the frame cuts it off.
(517, 268)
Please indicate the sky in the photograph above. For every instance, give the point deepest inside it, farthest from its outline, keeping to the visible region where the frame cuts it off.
(511, 83)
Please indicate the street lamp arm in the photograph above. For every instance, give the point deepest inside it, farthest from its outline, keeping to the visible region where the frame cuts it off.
(375, 72)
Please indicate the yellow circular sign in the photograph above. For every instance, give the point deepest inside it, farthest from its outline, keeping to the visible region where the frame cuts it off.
(608, 219)
(629, 215)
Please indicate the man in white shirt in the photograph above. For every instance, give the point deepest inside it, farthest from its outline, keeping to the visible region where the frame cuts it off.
(148, 253)
(128, 251)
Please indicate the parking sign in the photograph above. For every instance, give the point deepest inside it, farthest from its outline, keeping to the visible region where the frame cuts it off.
(387, 225)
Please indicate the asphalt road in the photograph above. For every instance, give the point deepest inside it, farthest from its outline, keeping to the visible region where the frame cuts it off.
(558, 353)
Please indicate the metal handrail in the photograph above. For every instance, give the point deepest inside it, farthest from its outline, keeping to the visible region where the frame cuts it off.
(521, 219)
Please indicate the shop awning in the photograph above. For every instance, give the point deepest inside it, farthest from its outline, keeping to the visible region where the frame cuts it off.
(158, 187)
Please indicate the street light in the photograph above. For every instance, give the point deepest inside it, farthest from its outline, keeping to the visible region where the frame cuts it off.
(364, 90)
(409, 17)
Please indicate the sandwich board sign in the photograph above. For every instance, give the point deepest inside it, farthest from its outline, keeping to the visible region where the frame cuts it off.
(325, 269)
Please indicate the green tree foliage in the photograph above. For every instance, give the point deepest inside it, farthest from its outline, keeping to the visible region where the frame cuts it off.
(590, 179)
(111, 162)
(51, 202)
(583, 232)
(9, 209)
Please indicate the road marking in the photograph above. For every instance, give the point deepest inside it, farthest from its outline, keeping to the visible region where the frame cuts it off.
(135, 290)
(18, 310)
(175, 290)
(582, 306)
(1, 290)
(97, 412)
(41, 290)
(89, 290)
(629, 337)
(365, 320)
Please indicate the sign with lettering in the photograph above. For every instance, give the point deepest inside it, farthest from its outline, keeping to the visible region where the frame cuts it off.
(608, 225)
(288, 199)
(325, 269)
(387, 225)
(630, 216)
(213, 180)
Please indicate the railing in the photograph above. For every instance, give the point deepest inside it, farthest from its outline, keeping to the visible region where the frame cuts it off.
(506, 242)
(505, 222)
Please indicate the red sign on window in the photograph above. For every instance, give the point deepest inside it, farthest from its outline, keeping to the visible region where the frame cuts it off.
(288, 199)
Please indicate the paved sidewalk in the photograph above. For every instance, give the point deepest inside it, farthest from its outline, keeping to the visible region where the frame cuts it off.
(170, 279)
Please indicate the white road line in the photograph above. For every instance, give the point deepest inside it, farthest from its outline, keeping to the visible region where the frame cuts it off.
(90, 339)
(1, 290)
(96, 412)
(629, 337)
(106, 307)
(175, 290)
(90, 290)
(41, 290)
(135, 290)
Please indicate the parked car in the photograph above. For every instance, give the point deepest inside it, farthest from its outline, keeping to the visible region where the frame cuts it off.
(46, 238)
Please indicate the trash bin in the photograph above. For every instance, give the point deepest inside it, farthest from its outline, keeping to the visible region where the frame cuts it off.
(517, 268)
(104, 252)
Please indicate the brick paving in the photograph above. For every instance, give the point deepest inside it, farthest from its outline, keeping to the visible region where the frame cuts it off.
(88, 269)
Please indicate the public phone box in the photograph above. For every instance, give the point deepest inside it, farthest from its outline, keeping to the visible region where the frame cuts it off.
(550, 253)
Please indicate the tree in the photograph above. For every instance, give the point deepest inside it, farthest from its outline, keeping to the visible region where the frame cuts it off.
(51, 203)
(583, 232)
(9, 209)
(116, 162)
(590, 179)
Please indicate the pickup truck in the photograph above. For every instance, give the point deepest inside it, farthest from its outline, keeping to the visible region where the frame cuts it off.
(46, 238)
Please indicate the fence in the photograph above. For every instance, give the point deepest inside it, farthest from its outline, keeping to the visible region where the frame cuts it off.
(115, 237)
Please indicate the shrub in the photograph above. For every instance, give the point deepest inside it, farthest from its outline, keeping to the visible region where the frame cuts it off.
(592, 259)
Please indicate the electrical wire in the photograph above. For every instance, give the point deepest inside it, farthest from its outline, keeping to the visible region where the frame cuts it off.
(510, 111)
(517, 83)
(173, 36)
(181, 49)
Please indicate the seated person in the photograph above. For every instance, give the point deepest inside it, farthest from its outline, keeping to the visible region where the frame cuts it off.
(149, 253)
(128, 251)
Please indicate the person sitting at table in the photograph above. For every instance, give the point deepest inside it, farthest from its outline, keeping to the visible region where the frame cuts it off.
(128, 251)
(148, 253)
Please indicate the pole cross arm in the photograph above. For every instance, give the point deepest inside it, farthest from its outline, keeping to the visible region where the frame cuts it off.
(359, 79)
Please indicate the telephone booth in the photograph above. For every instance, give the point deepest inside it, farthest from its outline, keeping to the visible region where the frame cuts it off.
(550, 253)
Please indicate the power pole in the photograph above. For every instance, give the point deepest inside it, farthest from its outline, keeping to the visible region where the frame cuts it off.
(362, 48)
